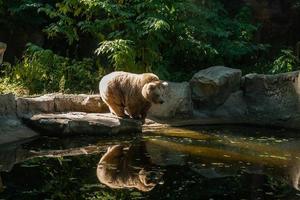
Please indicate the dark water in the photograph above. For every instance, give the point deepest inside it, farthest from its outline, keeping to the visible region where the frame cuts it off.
(192, 163)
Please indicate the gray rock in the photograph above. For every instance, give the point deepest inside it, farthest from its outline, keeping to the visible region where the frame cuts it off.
(52, 103)
(79, 103)
(234, 108)
(178, 102)
(76, 123)
(42, 104)
(212, 86)
(273, 99)
(7, 105)
(11, 128)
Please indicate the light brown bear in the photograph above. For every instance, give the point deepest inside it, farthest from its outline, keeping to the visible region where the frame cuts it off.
(130, 93)
(119, 169)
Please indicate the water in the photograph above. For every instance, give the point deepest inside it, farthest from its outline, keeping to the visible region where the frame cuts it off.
(219, 162)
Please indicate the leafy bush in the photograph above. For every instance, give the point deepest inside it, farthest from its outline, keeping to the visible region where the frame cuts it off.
(42, 70)
(174, 38)
(8, 86)
(286, 62)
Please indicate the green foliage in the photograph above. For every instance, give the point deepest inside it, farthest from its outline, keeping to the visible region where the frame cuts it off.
(120, 52)
(172, 38)
(168, 37)
(8, 86)
(19, 13)
(42, 70)
(286, 62)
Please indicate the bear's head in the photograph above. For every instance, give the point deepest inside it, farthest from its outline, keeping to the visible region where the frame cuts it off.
(154, 92)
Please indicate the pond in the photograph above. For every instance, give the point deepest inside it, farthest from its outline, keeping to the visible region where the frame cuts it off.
(207, 162)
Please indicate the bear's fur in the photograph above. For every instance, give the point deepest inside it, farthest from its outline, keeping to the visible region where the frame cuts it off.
(119, 169)
(133, 93)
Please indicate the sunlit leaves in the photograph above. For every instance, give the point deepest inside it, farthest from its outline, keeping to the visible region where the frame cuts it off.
(155, 24)
(286, 62)
(119, 51)
(42, 70)
(166, 36)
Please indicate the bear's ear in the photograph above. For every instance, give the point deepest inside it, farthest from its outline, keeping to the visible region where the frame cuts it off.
(165, 84)
(151, 86)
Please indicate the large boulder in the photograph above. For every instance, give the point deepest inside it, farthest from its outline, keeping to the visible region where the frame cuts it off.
(53, 103)
(178, 102)
(268, 100)
(7, 105)
(79, 103)
(79, 123)
(273, 99)
(212, 86)
(234, 108)
(11, 128)
(32, 105)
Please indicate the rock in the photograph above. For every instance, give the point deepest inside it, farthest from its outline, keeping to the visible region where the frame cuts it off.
(268, 100)
(212, 86)
(178, 102)
(80, 103)
(2, 50)
(273, 99)
(76, 123)
(234, 108)
(12, 130)
(7, 105)
(53, 103)
(42, 104)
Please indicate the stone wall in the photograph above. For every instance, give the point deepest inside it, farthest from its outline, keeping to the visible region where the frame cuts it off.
(271, 100)
(216, 95)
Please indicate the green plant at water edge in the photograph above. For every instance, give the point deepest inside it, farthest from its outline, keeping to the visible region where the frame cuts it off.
(286, 62)
(42, 70)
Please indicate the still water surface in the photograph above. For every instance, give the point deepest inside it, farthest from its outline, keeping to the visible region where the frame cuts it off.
(219, 162)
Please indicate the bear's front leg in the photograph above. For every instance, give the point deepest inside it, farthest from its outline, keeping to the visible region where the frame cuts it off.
(133, 111)
(144, 112)
(118, 110)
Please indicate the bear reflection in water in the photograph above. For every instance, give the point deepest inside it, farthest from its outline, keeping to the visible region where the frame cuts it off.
(132, 168)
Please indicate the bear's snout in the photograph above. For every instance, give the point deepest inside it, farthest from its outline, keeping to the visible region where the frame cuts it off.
(161, 102)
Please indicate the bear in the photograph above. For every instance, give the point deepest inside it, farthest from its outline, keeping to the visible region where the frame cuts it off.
(131, 95)
(119, 168)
